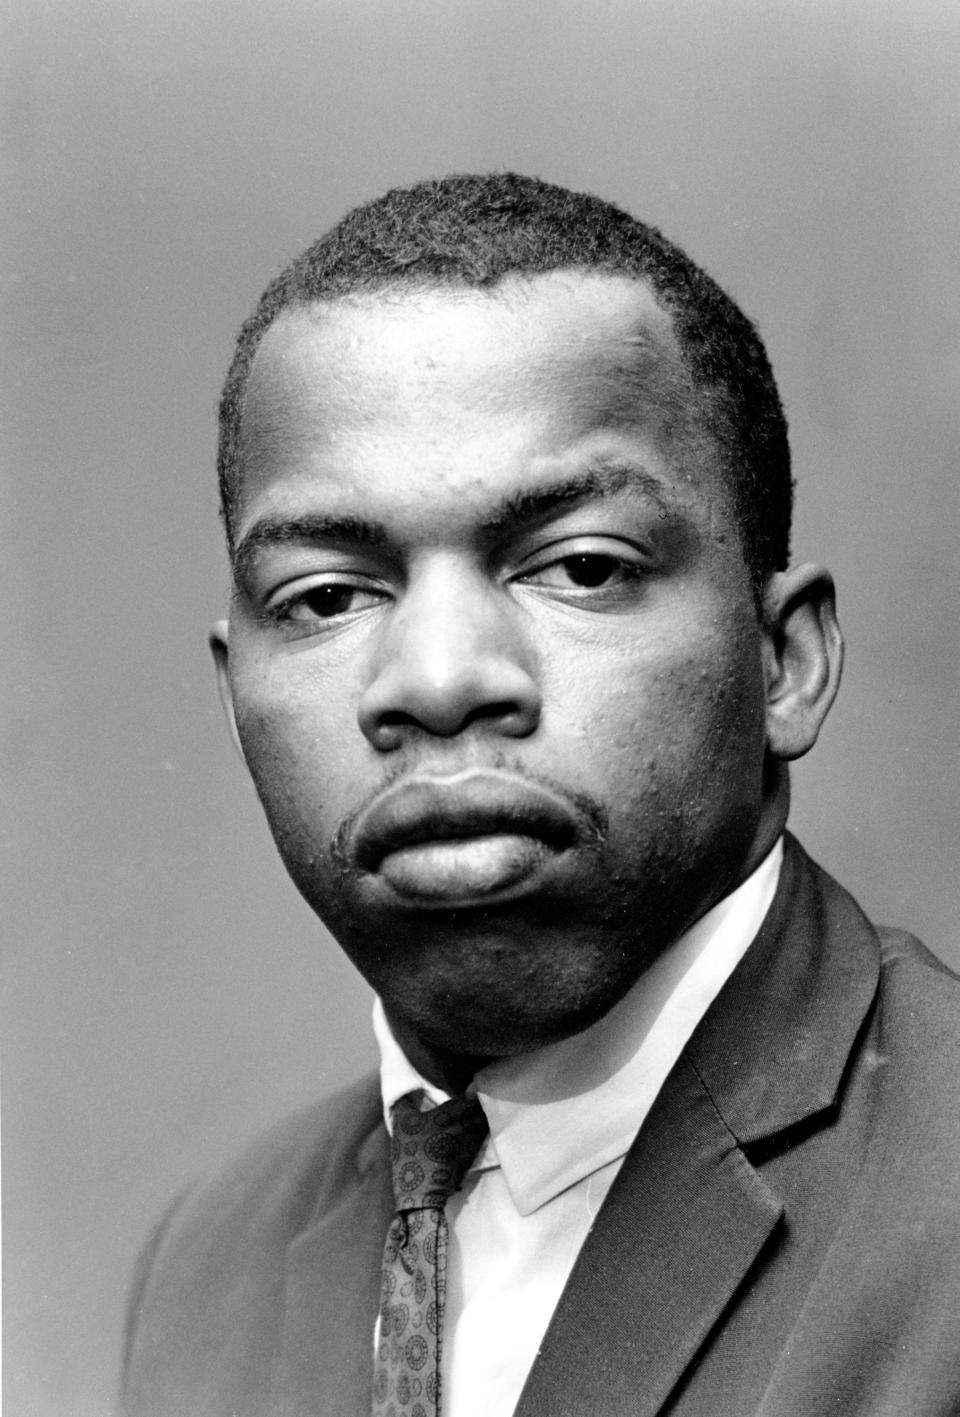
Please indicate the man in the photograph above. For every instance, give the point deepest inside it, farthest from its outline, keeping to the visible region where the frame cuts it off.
(517, 665)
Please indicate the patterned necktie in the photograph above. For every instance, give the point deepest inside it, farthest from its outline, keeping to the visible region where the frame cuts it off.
(431, 1154)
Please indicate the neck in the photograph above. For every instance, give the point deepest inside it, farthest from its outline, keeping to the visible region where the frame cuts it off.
(453, 1072)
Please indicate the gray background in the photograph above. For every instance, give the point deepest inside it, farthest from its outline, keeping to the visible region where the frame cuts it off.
(165, 992)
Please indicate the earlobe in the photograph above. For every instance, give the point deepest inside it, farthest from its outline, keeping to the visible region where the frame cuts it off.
(803, 657)
(219, 642)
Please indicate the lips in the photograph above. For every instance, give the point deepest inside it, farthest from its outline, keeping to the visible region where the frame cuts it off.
(464, 837)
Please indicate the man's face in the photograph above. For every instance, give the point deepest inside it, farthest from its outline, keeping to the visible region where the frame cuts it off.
(493, 654)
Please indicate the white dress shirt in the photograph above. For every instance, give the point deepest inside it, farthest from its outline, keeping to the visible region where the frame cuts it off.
(561, 1121)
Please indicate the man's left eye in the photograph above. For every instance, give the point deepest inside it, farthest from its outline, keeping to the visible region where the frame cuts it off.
(587, 570)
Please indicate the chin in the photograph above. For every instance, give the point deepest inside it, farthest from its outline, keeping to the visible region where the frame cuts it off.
(512, 1006)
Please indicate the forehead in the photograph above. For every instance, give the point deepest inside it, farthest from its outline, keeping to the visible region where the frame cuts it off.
(531, 371)
(560, 313)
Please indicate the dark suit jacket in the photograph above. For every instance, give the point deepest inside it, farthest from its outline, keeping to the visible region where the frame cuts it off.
(783, 1238)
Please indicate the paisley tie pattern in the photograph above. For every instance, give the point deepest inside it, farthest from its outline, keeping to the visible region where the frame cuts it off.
(431, 1153)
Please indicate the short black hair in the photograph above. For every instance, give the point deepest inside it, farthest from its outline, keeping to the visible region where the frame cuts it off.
(475, 229)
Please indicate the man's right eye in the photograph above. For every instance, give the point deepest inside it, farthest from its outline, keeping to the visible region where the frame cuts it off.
(323, 600)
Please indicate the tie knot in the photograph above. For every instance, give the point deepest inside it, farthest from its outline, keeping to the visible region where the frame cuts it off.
(432, 1150)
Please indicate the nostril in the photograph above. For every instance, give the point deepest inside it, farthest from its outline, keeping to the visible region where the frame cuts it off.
(511, 718)
(390, 731)
(442, 685)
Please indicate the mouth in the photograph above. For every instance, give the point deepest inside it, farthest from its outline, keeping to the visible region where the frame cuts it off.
(465, 838)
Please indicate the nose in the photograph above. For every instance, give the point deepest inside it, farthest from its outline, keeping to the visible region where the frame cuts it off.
(452, 656)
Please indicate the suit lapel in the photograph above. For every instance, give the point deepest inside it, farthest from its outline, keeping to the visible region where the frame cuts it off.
(774, 1048)
(681, 1226)
(331, 1295)
(689, 1214)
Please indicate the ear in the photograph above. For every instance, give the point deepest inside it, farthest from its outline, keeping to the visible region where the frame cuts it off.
(803, 657)
(219, 641)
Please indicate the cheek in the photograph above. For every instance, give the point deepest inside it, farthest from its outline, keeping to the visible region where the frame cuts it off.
(296, 744)
(297, 698)
(686, 728)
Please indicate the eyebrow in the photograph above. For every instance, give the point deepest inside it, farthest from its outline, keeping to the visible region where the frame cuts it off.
(304, 530)
(600, 480)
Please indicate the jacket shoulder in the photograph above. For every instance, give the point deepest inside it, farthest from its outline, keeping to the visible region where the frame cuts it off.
(210, 1277)
(918, 1033)
(900, 947)
(278, 1178)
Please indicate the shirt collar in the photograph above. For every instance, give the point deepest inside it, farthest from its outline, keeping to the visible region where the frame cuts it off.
(559, 1114)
